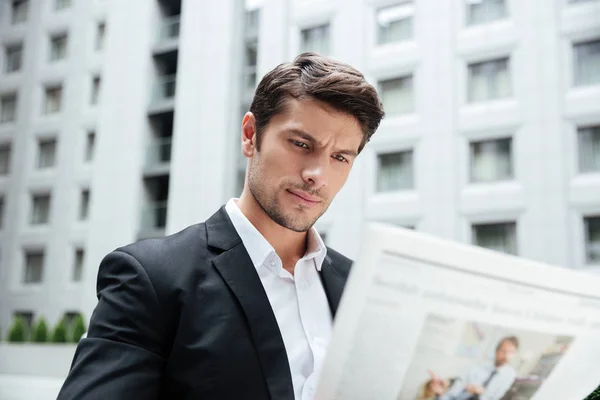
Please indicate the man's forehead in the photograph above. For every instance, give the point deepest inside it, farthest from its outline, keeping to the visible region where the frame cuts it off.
(318, 118)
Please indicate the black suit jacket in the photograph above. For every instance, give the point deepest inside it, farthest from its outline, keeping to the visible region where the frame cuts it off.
(186, 317)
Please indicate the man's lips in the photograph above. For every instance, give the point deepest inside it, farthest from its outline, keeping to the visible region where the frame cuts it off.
(305, 196)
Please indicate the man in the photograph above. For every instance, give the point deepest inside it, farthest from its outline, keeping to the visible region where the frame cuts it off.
(240, 306)
(484, 382)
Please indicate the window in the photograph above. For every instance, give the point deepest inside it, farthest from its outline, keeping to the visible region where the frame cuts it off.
(61, 4)
(8, 107)
(395, 171)
(100, 34)
(58, 47)
(397, 95)
(46, 153)
(589, 149)
(95, 90)
(587, 63)
(252, 20)
(1, 211)
(498, 236)
(78, 266)
(315, 39)
(484, 11)
(491, 160)
(20, 9)
(13, 55)
(489, 80)
(5, 158)
(250, 67)
(52, 103)
(89, 146)
(27, 317)
(34, 266)
(395, 23)
(592, 239)
(40, 213)
(84, 205)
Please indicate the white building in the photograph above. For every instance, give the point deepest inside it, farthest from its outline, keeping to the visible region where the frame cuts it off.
(492, 134)
(51, 57)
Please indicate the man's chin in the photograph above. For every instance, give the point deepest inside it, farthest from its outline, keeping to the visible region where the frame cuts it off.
(294, 222)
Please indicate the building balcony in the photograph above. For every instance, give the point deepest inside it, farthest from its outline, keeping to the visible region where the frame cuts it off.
(163, 94)
(251, 24)
(153, 220)
(158, 156)
(168, 35)
(249, 83)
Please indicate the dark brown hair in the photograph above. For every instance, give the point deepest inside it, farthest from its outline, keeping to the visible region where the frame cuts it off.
(510, 339)
(312, 76)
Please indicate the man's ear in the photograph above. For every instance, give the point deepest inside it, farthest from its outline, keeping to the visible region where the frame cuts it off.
(249, 135)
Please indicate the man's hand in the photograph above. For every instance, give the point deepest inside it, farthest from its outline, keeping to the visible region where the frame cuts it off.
(474, 389)
(436, 384)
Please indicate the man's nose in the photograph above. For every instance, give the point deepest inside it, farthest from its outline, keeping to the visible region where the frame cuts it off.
(315, 174)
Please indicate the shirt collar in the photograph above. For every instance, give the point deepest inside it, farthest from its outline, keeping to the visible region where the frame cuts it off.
(259, 249)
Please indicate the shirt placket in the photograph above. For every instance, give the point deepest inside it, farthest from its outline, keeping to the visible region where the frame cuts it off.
(309, 313)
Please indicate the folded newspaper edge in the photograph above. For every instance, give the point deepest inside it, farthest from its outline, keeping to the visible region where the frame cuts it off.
(425, 318)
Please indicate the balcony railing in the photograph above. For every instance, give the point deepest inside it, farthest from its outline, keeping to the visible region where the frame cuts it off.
(169, 29)
(251, 23)
(250, 78)
(159, 151)
(154, 216)
(163, 89)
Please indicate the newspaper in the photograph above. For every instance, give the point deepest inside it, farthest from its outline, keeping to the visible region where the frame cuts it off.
(424, 318)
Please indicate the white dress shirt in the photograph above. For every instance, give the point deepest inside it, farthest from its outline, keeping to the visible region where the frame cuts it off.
(299, 301)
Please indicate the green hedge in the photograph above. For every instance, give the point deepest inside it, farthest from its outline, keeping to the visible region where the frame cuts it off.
(40, 332)
(60, 332)
(78, 328)
(18, 331)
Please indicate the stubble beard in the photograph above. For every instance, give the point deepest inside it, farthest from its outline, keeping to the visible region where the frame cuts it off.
(272, 207)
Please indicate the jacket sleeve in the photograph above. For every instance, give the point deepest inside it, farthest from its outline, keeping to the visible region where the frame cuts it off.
(121, 357)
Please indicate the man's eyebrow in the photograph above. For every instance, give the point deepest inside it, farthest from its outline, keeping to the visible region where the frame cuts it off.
(304, 135)
(352, 153)
(308, 137)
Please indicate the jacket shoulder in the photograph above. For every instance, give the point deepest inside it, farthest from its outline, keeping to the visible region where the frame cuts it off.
(171, 257)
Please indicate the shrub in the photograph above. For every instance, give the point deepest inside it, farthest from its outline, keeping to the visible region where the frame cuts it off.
(60, 332)
(78, 328)
(18, 331)
(40, 332)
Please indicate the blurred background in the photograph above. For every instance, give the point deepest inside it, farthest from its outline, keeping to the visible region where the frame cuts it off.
(120, 120)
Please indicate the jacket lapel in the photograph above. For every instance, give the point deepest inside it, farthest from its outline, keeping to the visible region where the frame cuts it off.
(236, 268)
(333, 283)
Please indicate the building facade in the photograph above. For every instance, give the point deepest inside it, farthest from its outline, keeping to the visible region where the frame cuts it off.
(51, 55)
(492, 133)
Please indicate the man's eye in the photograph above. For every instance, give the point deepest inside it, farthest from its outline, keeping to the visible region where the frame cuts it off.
(340, 158)
(300, 144)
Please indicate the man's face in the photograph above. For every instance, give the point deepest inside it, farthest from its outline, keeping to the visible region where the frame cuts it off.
(505, 352)
(305, 156)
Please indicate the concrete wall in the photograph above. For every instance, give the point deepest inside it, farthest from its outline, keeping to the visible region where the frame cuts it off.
(30, 371)
(43, 360)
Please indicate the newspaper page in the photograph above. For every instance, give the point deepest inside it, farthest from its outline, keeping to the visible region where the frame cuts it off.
(423, 318)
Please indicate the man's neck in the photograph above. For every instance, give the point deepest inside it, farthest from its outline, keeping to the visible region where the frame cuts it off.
(290, 246)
